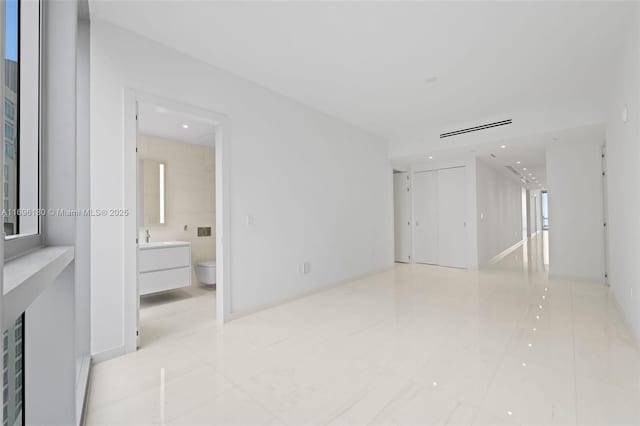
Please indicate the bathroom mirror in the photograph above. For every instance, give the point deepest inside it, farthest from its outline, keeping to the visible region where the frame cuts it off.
(154, 176)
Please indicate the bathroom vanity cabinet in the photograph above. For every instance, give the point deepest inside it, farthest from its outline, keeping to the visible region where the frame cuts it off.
(163, 266)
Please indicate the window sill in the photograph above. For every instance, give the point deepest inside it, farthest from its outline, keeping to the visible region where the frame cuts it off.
(26, 277)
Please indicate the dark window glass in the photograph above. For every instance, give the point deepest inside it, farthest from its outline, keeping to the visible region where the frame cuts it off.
(11, 100)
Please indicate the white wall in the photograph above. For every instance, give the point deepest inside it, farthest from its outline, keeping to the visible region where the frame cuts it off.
(319, 190)
(499, 212)
(53, 391)
(623, 177)
(576, 235)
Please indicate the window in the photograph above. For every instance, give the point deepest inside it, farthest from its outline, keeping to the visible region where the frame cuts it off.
(21, 94)
(9, 110)
(8, 131)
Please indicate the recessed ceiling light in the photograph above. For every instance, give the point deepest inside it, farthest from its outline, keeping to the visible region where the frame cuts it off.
(503, 146)
(530, 174)
(431, 157)
(524, 168)
(517, 162)
(185, 126)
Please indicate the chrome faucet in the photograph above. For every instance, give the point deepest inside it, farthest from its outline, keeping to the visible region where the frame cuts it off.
(147, 236)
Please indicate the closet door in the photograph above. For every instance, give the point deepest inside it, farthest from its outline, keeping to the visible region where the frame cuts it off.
(402, 216)
(452, 241)
(425, 207)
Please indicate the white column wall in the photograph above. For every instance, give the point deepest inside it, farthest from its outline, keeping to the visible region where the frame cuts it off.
(623, 180)
(576, 236)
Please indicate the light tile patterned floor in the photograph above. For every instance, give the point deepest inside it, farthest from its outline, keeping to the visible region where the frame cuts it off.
(416, 345)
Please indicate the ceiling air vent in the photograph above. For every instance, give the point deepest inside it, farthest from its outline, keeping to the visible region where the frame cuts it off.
(475, 129)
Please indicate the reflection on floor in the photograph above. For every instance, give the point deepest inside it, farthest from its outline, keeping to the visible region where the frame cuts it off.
(413, 345)
(165, 315)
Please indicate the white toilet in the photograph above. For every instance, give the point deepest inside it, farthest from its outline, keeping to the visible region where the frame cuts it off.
(206, 272)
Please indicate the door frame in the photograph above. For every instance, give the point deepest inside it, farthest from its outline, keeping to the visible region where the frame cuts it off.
(409, 207)
(131, 97)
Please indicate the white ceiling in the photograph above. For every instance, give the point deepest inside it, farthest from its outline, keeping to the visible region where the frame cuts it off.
(519, 153)
(373, 63)
(163, 122)
(528, 159)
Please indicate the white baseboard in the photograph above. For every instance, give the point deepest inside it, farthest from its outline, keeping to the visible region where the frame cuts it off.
(569, 277)
(236, 315)
(498, 257)
(108, 354)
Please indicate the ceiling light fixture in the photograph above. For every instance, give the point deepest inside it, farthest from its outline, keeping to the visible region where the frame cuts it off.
(517, 162)
(185, 126)
(431, 157)
(503, 146)
(524, 168)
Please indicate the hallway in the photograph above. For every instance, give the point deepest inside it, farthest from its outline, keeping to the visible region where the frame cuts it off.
(413, 345)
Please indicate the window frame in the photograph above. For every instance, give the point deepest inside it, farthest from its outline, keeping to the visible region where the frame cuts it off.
(23, 243)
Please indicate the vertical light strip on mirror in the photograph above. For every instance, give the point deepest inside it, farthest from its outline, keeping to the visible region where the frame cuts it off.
(161, 193)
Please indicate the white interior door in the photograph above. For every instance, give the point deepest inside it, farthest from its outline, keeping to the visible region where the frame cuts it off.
(425, 207)
(402, 215)
(452, 237)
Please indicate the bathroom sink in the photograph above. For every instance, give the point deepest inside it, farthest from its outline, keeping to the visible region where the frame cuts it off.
(161, 244)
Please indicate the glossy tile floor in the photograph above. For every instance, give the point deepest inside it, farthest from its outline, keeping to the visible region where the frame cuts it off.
(416, 345)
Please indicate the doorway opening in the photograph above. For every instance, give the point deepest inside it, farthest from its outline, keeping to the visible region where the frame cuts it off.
(544, 200)
(176, 211)
(210, 230)
(544, 206)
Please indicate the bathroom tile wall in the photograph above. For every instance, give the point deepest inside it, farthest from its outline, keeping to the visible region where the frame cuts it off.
(190, 194)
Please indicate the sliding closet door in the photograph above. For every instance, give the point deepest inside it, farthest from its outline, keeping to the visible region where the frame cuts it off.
(452, 241)
(425, 207)
(402, 216)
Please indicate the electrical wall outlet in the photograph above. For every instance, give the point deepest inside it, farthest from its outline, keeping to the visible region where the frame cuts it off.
(304, 268)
